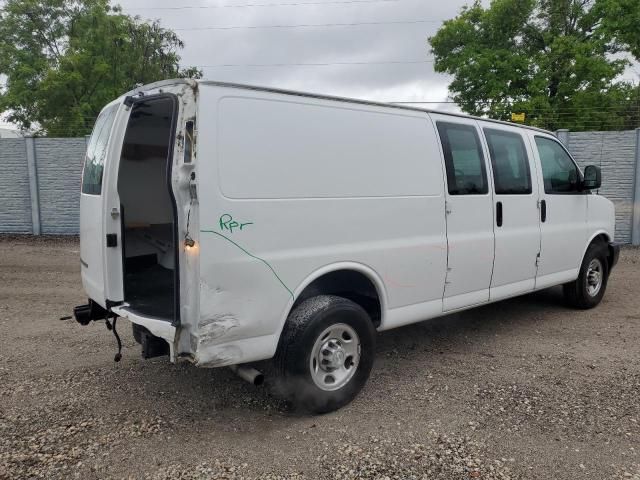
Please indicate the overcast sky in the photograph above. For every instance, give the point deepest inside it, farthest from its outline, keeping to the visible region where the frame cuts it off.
(393, 31)
(403, 41)
(382, 42)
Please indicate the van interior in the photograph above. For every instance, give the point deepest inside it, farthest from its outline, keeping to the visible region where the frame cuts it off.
(147, 213)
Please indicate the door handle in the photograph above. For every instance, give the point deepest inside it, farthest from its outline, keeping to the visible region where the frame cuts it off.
(543, 210)
(499, 214)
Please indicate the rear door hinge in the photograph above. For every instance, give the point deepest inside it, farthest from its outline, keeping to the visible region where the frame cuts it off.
(538, 259)
(193, 188)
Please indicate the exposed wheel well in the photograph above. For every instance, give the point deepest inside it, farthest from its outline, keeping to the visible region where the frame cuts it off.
(350, 284)
(603, 239)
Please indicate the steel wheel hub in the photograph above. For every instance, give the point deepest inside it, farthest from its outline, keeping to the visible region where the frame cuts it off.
(594, 277)
(335, 357)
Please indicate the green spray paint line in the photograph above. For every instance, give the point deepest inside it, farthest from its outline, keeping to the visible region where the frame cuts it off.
(252, 256)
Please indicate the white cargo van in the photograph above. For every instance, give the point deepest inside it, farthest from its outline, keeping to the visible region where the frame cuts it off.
(232, 224)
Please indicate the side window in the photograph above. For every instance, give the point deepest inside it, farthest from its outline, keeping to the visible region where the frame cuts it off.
(559, 172)
(464, 163)
(97, 151)
(509, 161)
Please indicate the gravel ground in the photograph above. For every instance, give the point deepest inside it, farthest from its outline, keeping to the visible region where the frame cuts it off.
(524, 388)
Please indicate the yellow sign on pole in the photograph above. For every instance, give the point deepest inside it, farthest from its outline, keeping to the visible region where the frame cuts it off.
(518, 117)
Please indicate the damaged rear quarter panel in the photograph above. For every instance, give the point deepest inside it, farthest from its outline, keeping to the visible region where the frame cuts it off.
(239, 300)
(219, 325)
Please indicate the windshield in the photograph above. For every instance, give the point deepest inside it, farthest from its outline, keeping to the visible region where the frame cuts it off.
(97, 151)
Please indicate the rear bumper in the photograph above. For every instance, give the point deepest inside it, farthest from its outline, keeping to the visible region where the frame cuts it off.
(614, 254)
(158, 328)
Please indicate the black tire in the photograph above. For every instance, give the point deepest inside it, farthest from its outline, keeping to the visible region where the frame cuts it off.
(293, 360)
(577, 293)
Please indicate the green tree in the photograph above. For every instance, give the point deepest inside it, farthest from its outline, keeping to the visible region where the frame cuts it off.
(621, 19)
(64, 60)
(547, 58)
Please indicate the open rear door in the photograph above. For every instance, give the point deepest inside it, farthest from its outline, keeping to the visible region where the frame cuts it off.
(100, 249)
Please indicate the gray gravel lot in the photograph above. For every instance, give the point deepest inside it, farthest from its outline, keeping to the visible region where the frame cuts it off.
(524, 388)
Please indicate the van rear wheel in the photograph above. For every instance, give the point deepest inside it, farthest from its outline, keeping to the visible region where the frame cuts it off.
(587, 291)
(325, 354)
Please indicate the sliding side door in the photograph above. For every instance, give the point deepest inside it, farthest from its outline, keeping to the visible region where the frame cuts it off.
(517, 224)
(469, 213)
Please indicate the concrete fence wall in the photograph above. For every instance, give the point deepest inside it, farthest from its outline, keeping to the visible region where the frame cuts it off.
(40, 185)
(15, 204)
(40, 180)
(618, 155)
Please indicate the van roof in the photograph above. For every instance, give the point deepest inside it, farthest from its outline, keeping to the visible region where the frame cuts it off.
(327, 97)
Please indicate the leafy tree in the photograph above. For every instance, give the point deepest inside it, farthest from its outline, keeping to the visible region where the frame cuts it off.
(64, 60)
(621, 19)
(547, 58)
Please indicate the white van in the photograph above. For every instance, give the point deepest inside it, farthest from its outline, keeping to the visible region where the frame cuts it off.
(232, 224)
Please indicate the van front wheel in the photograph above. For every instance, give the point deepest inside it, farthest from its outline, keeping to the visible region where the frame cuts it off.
(587, 291)
(325, 354)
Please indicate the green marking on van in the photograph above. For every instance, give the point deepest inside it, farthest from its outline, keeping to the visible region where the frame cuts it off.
(252, 256)
(228, 223)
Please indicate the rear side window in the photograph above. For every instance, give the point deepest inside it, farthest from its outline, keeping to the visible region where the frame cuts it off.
(510, 163)
(97, 151)
(559, 172)
(464, 163)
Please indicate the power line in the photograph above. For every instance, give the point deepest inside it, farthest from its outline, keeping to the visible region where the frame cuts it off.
(304, 25)
(302, 64)
(253, 5)
(259, 5)
(383, 62)
(553, 110)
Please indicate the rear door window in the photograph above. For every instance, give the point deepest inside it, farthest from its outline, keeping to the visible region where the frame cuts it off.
(97, 151)
(511, 174)
(464, 163)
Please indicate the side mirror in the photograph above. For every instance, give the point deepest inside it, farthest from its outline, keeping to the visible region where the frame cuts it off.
(592, 178)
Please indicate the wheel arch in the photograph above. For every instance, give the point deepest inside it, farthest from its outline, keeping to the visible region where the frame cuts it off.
(600, 236)
(330, 279)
